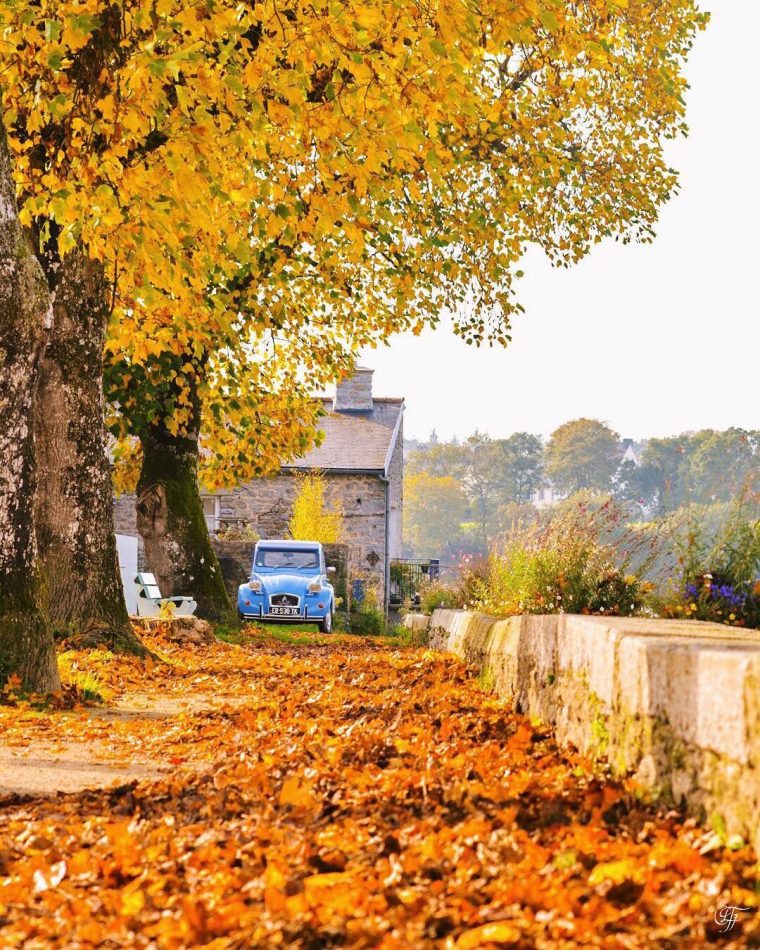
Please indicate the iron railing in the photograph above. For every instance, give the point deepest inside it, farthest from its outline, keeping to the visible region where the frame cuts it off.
(407, 575)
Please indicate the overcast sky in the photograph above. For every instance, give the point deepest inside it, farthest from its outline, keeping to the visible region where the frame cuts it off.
(656, 339)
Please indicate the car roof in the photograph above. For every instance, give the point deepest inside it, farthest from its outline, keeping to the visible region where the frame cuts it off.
(289, 545)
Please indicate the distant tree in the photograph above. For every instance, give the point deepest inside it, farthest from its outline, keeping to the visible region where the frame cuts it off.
(722, 464)
(636, 485)
(442, 459)
(312, 519)
(583, 454)
(664, 478)
(434, 509)
(522, 466)
(483, 481)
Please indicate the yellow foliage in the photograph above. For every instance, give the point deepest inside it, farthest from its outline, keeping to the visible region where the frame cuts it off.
(311, 519)
(270, 193)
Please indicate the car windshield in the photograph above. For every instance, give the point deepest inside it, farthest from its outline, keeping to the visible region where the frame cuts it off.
(268, 558)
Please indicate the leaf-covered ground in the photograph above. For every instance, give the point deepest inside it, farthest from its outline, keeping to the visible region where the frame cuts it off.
(343, 792)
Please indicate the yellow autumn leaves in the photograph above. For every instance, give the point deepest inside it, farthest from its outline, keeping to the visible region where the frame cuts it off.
(278, 190)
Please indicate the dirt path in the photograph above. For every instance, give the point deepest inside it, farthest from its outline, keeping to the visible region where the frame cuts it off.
(41, 764)
(334, 792)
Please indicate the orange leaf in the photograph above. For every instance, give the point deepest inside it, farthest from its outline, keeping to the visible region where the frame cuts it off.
(500, 932)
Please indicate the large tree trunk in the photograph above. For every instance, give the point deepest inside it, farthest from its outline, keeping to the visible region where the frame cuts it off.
(26, 643)
(172, 525)
(79, 561)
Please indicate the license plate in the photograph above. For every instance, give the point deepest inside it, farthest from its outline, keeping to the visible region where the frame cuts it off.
(283, 611)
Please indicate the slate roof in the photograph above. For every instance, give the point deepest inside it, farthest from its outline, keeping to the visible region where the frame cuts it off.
(355, 441)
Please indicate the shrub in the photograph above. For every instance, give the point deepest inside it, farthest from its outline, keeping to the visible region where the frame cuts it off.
(452, 596)
(368, 621)
(719, 575)
(239, 532)
(311, 519)
(580, 562)
(367, 618)
(434, 594)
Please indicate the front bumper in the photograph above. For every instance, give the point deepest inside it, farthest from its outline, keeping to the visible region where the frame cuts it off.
(309, 614)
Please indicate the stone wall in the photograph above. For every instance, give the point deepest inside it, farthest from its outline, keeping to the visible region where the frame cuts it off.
(675, 703)
(125, 515)
(236, 557)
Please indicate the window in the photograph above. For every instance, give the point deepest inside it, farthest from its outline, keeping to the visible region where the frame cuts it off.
(274, 557)
(211, 512)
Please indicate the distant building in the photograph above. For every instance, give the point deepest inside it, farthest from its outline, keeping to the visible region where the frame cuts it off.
(630, 453)
(546, 496)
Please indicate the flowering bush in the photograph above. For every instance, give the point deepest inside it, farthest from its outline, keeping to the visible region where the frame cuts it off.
(707, 598)
(720, 578)
(570, 565)
(433, 595)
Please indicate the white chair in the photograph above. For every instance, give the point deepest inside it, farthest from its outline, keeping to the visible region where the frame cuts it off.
(150, 601)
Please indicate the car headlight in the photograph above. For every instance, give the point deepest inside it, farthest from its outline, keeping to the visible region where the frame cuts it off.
(255, 586)
(315, 587)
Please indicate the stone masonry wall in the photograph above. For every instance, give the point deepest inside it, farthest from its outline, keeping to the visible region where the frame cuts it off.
(125, 522)
(125, 515)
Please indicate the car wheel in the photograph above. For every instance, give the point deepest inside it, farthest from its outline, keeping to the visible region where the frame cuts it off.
(325, 624)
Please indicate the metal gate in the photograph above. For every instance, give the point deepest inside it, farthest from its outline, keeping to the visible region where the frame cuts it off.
(407, 577)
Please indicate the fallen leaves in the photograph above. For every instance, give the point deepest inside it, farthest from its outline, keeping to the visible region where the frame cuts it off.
(341, 791)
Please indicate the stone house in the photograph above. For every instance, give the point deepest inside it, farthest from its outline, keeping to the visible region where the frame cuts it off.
(361, 458)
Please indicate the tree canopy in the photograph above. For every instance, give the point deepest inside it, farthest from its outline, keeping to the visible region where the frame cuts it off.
(359, 166)
(582, 454)
(434, 508)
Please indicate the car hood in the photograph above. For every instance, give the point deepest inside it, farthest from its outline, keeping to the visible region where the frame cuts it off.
(286, 583)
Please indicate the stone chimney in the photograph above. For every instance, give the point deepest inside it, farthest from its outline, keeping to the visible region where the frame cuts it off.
(355, 393)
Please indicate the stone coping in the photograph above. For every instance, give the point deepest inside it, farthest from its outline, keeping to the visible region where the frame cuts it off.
(676, 703)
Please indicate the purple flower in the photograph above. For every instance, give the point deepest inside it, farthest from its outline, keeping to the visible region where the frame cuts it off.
(729, 594)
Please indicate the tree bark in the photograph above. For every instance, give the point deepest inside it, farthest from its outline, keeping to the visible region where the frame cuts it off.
(84, 596)
(172, 525)
(27, 649)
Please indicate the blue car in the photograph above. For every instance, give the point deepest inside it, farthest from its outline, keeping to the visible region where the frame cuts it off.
(289, 584)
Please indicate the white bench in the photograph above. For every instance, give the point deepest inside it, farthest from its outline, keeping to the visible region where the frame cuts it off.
(150, 601)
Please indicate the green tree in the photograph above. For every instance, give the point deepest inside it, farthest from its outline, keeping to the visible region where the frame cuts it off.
(440, 459)
(721, 464)
(434, 508)
(483, 482)
(583, 454)
(664, 476)
(522, 466)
